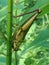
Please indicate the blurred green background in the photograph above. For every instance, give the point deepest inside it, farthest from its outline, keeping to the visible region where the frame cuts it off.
(35, 46)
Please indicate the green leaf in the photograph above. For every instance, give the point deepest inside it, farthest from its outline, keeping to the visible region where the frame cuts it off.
(2, 18)
(41, 40)
(3, 13)
(29, 61)
(39, 4)
(2, 59)
(44, 10)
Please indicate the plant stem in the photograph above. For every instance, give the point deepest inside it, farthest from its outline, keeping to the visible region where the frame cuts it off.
(16, 58)
(9, 33)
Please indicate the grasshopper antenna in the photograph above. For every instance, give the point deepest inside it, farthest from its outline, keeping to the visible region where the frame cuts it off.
(39, 10)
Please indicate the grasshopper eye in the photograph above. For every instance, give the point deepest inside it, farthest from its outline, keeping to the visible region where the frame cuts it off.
(39, 10)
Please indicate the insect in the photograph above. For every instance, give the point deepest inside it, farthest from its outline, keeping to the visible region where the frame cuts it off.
(21, 33)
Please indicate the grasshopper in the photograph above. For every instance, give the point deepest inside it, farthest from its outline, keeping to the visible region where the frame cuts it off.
(21, 33)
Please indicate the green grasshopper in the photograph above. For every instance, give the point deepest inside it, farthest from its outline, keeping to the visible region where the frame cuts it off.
(21, 33)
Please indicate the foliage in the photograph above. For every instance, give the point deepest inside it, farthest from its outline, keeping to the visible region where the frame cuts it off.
(34, 49)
